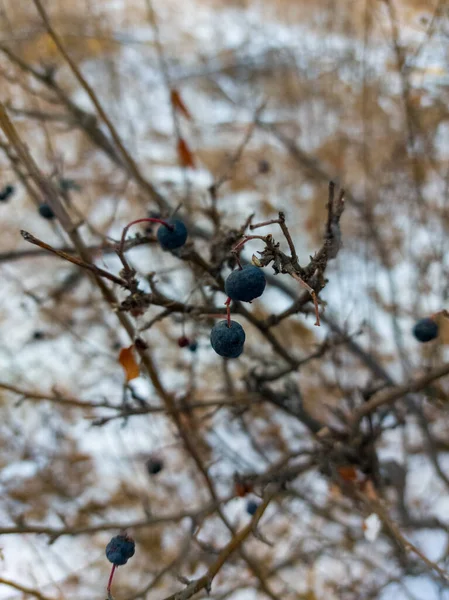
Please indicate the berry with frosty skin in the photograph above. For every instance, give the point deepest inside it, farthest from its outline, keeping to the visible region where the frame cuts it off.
(154, 466)
(252, 507)
(46, 212)
(120, 549)
(245, 284)
(425, 330)
(170, 239)
(6, 192)
(227, 341)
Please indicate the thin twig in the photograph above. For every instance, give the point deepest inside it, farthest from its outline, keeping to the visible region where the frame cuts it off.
(73, 259)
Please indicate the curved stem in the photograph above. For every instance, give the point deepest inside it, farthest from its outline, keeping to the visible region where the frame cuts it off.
(110, 578)
(147, 220)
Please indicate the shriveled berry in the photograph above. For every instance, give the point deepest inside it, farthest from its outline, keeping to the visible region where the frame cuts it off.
(425, 330)
(46, 212)
(183, 341)
(245, 284)
(227, 341)
(6, 192)
(252, 507)
(120, 549)
(193, 347)
(170, 239)
(154, 466)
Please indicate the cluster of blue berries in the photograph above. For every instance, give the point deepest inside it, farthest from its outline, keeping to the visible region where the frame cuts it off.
(243, 285)
(120, 549)
(425, 330)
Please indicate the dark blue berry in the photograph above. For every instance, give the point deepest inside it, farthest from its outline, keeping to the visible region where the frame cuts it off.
(227, 341)
(154, 466)
(6, 192)
(425, 330)
(46, 212)
(120, 549)
(193, 347)
(251, 507)
(245, 284)
(170, 239)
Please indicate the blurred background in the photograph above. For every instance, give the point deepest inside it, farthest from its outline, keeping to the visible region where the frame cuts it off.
(272, 99)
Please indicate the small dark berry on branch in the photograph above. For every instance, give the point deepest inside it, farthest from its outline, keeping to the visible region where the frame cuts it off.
(245, 284)
(46, 212)
(252, 507)
(154, 466)
(172, 238)
(264, 166)
(6, 193)
(120, 549)
(183, 341)
(193, 347)
(425, 330)
(227, 341)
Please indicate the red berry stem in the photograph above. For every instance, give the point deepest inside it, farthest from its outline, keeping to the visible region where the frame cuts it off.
(228, 311)
(147, 220)
(110, 578)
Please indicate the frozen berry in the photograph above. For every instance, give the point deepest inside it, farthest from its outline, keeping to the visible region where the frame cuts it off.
(193, 346)
(172, 238)
(183, 341)
(6, 192)
(252, 507)
(425, 330)
(227, 341)
(46, 212)
(245, 284)
(120, 549)
(154, 466)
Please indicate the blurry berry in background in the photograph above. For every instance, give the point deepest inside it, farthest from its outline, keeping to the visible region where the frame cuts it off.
(154, 466)
(46, 212)
(6, 193)
(264, 167)
(252, 507)
(425, 330)
(183, 341)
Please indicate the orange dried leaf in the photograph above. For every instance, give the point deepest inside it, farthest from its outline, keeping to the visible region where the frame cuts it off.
(347, 473)
(178, 104)
(127, 360)
(185, 154)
